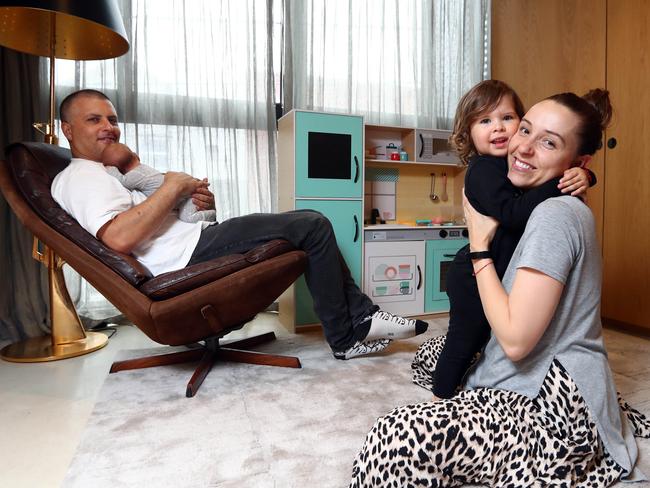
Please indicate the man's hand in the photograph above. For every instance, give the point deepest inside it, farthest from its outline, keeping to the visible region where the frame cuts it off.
(203, 198)
(183, 185)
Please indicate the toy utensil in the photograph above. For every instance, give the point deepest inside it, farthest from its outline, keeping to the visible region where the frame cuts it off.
(443, 195)
(432, 195)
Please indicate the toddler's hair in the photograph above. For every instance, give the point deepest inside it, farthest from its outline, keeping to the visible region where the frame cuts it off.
(482, 97)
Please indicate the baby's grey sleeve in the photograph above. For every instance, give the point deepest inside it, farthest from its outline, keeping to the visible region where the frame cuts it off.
(115, 173)
(143, 178)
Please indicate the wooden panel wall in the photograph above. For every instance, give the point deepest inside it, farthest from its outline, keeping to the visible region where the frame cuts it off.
(626, 270)
(551, 46)
(543, 47)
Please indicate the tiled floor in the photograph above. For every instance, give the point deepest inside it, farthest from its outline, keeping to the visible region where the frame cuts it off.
(45, 406)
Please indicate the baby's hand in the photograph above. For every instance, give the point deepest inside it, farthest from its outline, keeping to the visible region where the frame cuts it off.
(202, 198)
(575, 181)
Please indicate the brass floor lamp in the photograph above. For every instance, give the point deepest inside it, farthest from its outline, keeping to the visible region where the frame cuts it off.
(65, 29)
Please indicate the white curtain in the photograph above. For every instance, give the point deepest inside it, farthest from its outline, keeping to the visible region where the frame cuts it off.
(196, 93)
(197, 90)
(398, 62)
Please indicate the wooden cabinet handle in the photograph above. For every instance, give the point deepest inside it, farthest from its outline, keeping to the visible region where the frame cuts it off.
(611, 142)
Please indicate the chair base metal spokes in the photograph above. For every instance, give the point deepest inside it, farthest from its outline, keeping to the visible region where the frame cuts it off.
(210, 353)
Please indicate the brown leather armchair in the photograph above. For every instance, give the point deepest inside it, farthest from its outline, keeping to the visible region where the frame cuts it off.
(202, 302)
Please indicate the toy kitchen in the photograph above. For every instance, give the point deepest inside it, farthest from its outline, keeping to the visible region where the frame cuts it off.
(413, 218)
(394, 197)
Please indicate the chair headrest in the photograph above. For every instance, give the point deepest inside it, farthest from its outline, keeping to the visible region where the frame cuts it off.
(33, 166)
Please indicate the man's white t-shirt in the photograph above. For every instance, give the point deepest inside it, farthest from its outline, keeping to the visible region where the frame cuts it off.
(93, 197)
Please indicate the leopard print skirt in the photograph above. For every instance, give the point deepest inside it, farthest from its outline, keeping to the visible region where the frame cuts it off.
(488, 437)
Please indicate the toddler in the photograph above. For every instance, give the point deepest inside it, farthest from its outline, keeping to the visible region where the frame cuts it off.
(125, 165)
(486, 117)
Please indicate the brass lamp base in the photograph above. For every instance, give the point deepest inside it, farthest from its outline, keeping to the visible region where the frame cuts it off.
(40, 349)
(68, 339)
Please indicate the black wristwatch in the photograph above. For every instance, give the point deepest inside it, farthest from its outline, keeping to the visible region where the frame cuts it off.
(480, 255)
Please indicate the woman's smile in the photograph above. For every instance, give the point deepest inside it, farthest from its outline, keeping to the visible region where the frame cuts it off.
(519, 165)
(544, 145)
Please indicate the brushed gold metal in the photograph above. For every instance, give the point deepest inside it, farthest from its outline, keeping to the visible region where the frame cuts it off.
(68, 338)
(45, 32)
(40, 349)
(33, 30)
(66, 326)
(37, 253)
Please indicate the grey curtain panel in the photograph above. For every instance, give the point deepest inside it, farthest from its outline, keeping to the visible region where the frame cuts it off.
(23, 288)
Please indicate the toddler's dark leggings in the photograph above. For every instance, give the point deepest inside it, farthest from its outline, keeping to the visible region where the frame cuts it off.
(468, 331)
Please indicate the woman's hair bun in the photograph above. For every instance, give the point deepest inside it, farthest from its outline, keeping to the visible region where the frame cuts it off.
(598, 98)
(594, 110)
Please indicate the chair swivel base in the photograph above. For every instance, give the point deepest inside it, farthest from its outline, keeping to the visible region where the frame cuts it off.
(207, 356)
(40, 349)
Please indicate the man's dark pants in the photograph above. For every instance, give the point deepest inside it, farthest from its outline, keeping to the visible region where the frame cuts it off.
(338, 301)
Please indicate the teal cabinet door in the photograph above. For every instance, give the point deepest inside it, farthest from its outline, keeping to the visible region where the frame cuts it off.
(329, 155)
(346, 217)
(439, 255)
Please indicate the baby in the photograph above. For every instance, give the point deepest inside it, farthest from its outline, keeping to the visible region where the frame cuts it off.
(125, 165)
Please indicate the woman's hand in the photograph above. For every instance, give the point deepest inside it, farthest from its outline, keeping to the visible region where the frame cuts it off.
(575, 180)
(481, 228)
(202, 198)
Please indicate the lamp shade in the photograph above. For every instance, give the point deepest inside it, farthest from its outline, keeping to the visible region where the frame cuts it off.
(83, 29)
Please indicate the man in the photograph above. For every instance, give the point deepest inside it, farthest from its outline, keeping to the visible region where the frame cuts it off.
(146, 227)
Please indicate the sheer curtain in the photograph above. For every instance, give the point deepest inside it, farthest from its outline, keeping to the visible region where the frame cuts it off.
(398, 62)
(196, 93)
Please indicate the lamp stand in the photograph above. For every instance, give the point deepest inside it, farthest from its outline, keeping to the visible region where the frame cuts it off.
(47, 129)
(68, 338)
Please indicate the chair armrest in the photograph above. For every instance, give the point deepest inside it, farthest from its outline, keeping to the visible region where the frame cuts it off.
(174, 283)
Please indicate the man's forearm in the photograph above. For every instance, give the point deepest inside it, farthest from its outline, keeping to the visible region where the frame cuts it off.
(136, 225)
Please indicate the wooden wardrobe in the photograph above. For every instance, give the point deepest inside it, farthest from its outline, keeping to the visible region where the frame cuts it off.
(550, 46)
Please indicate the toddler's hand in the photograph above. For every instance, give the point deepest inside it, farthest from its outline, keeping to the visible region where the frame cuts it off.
(574, 181)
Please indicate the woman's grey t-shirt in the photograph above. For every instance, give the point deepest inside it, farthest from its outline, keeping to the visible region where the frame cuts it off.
(560, 241)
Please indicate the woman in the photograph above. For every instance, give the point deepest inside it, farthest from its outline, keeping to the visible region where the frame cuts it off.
(540, 406)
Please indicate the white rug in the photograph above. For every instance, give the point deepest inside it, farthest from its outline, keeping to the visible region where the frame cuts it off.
(249, 426)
